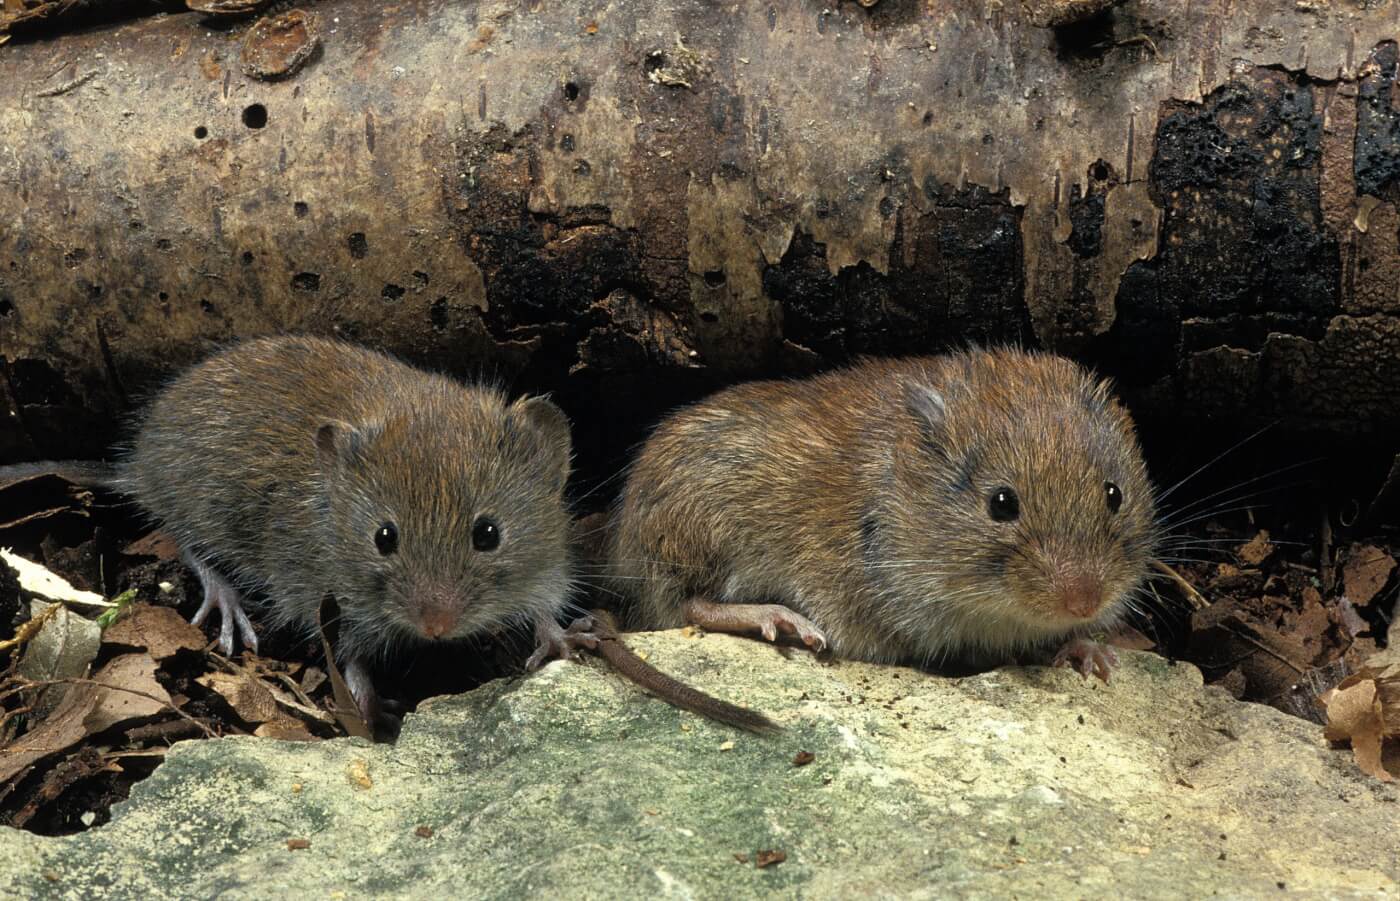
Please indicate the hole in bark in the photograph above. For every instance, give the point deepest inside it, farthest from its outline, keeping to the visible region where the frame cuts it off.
(163, 244)
(206, 306)
(421, 277)
(359, 247)
(1100, 171)
(94, 291)
(566, 143)
(300, 209)
(247, 258)
(200, 132)
(570, 91)
(391, 292)
(928, 119)
(7, 307)
(709, 317)
(163, 296)
(255, 115)
(714, 278)
(306, 281)
(437, 314)
(582, 168)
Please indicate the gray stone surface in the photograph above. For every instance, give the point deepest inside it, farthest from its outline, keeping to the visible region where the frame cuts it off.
(573, 783)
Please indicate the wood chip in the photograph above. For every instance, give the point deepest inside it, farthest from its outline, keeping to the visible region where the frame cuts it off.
(803, 758)
(298, 844)
(763, 859)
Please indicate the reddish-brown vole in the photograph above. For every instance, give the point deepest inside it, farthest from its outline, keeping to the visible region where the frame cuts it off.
(964, 507)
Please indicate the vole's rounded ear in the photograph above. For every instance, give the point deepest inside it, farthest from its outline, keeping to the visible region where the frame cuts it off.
(549, 422)
(929, 408)
(926, 405)
(339, 443)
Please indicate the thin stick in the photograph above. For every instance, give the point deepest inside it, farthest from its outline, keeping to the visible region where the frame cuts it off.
(1192, 595)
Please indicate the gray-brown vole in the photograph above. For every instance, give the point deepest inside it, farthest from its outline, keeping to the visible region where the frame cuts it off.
(954, 508)
(292, 467)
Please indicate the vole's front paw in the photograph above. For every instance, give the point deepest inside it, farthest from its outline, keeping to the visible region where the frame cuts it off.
(1088, 657)
(552, 641)
(220, 595)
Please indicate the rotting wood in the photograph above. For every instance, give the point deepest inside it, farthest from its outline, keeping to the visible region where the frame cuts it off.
(1171, 191)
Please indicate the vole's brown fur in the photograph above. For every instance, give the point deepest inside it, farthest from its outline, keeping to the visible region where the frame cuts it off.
(275, 462)
(859, 500)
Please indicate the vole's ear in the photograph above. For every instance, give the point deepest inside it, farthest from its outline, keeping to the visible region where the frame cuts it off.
(930, 411)
(550, 423)
(926, 405)
(339, 443)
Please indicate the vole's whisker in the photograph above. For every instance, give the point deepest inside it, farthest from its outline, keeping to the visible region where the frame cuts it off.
(1162, 496)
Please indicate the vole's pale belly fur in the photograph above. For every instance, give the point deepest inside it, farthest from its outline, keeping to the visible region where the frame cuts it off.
(787, 493)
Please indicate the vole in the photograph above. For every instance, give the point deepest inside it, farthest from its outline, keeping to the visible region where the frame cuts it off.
(958, 508)
(292, 467)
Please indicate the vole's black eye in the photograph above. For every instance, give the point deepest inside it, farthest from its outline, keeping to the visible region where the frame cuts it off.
(1114, 495)
(1003, 505)
(386, 538)
(485, 534)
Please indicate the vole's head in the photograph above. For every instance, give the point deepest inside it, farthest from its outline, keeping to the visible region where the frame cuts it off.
(1022, 489)
(449, 518)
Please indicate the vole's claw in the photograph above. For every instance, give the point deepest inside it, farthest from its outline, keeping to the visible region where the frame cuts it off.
(220, 595)
(552, 641)
(770, 620)
(384, 716)
(1089, 658)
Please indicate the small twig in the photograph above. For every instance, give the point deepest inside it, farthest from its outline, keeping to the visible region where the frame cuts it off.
(30, 628)
(1192, 595)
(68, 85)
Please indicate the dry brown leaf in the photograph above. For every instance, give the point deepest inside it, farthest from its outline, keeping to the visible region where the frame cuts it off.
(128, 674)
(1365, 573)
(1384, 669)
(1354, 714)
(159, 630)
(58, 731)
(156, 544)
(1257, 550)
(285, 729)
(89, 708)
(248, 697)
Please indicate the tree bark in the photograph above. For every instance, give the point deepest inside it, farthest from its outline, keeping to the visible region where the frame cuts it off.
(629, 201)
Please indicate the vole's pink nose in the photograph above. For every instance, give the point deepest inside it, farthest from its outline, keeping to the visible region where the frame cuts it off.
(1080, 593)
(438, 620)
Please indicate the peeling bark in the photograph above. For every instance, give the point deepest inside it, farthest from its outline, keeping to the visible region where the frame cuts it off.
(639, 201)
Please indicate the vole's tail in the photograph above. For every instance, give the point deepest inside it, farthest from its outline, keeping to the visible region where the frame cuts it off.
(88, 473)
(672, 690)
